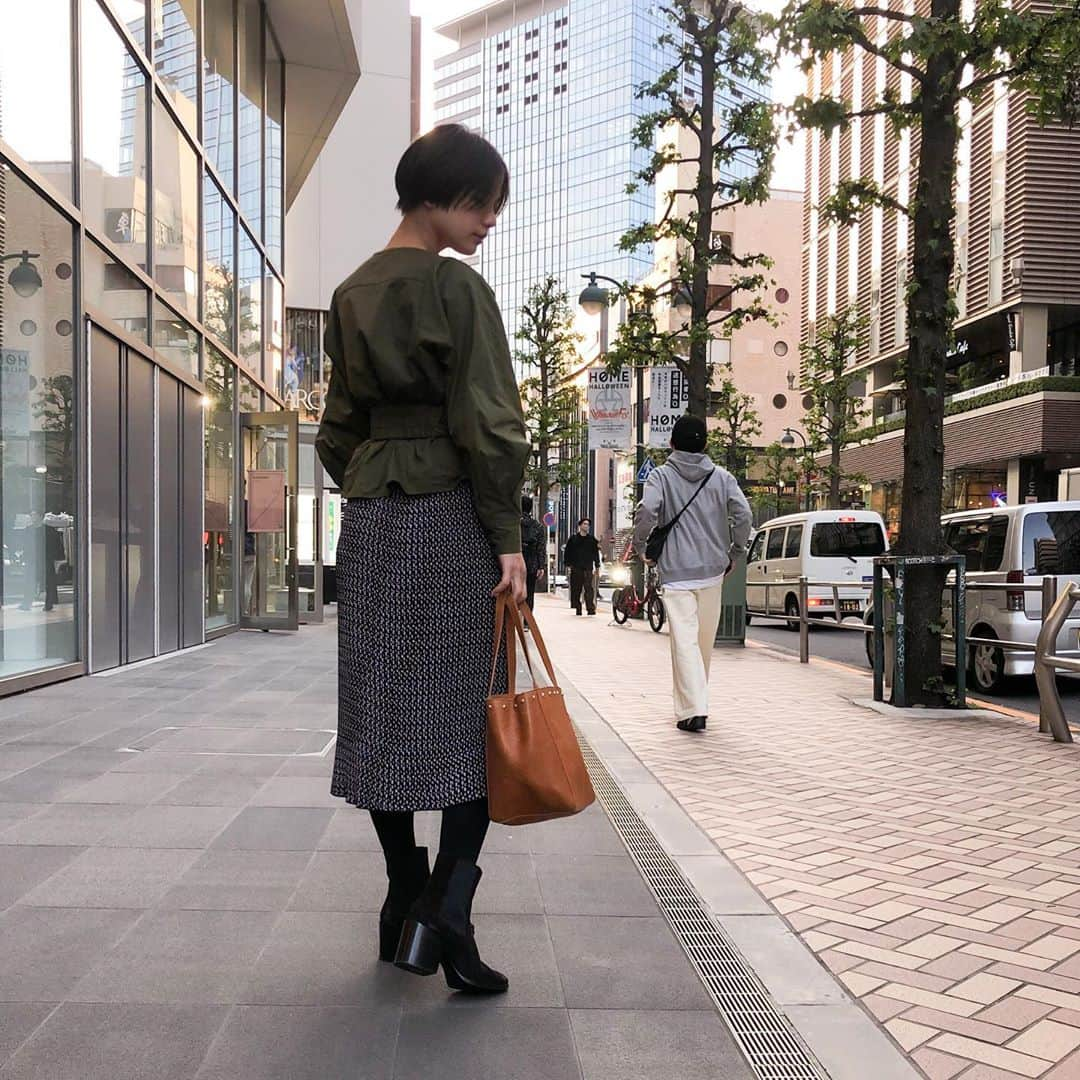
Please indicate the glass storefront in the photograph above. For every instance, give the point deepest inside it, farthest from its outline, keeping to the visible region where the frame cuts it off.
(218, 540)
(38, 589)
(176, 284)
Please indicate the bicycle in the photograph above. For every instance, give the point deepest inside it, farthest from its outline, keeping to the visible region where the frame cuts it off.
(627, 603)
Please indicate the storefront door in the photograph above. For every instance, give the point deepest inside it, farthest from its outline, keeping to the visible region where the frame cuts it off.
(269, 598)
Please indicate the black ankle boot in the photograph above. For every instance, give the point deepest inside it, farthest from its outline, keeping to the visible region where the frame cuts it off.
(439, 930)
(408, 875)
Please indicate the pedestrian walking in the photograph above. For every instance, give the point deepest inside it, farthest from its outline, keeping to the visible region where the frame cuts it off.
(424, 434)
(533, 547)
(711, 528)
(582, 559)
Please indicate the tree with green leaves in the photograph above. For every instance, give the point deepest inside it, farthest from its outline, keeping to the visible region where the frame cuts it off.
(551, 399)
(732, 439)
(947, 52)
(778, 468)
(718, 145)
(834, 415)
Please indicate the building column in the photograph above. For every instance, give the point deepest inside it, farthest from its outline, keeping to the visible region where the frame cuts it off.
(1030, 353)
(1013, 495)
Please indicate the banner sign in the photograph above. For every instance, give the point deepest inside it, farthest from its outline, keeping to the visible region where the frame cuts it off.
(668, 400)
(15, 393)
(609, 409)
(265, 500)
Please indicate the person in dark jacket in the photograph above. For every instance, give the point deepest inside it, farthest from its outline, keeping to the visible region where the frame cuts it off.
(533, 547)
(582, 558)
(424, 434)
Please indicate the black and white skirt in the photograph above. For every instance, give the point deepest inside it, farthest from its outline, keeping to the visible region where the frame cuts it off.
(415, 626)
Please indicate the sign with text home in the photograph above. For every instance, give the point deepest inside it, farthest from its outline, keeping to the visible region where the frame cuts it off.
(609, 409)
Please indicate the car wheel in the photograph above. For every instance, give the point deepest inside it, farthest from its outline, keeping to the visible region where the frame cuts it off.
(618, 612)
(791, 610)
(656, 614)
(987, 666)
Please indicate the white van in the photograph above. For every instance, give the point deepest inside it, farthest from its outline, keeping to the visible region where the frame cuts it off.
(1012, 544)
(822, 545)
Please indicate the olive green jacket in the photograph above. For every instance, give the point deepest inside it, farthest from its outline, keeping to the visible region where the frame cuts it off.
(422, 392)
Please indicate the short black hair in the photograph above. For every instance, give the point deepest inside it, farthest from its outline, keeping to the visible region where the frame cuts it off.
(584, 521)
(451, 166)
(689, 434)
(526, 504)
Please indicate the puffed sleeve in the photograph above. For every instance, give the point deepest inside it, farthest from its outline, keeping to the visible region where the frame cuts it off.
(484, 404)
(345, 424)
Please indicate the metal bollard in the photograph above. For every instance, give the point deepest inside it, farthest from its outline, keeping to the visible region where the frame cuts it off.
(804, 622)
(1049, 598)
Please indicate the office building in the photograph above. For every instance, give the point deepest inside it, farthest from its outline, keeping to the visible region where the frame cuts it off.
(552, 84)
(1013, 410)
(147, 459)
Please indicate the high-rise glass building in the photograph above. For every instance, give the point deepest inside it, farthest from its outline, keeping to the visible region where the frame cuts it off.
(552, 84)
(143, 178)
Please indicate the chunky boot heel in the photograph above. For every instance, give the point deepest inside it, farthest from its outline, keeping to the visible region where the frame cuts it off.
(407, 872)
(420, 949)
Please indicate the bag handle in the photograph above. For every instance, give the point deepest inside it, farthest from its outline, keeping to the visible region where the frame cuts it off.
(508, 625)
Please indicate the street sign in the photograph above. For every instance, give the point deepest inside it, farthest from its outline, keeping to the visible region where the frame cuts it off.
(646, 469)
(549, 520)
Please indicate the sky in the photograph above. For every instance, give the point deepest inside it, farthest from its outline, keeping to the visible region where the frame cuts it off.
(787, 80)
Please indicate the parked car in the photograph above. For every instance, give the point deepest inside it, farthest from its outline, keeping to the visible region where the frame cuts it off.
(1010, 545)
(822, 545)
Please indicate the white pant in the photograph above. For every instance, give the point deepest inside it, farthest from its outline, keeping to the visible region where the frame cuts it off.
(693, 615)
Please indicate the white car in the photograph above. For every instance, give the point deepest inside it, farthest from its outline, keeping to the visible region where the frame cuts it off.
(822, 545)
(1010, 545)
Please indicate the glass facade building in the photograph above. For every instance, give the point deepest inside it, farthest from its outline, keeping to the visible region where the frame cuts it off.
(141, 313)
(553, 87)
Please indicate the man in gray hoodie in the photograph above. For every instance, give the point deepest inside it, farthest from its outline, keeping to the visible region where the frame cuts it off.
(698, 554)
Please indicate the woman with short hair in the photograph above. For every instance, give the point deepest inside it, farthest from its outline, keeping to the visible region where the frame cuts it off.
(424, 434)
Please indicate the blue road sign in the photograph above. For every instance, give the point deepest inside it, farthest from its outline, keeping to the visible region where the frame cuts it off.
(647, 467)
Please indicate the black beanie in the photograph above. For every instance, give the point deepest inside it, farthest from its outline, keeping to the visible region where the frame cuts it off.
(689, 434)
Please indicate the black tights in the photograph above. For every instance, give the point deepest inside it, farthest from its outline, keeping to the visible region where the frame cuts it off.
(464, 827)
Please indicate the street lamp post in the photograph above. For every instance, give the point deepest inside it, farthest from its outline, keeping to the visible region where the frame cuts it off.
(788, 443)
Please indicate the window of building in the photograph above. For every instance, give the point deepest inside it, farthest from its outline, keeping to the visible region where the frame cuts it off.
(274, 336)
(38, 445)
(176, 213)
(114, 145)
(220, 451)
(875, 317)
(250, 114)
(175, 338)
(175, 53)
(900, 303)
(219, 266)
(219, 77)
(249, 323)
(780, 348)
(275, 167)
(782, 296)
(112, 291)
(35, 86)
(997, 227)
(779, 401)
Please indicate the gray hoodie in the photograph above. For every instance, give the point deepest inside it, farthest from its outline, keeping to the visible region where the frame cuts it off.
(711, 534)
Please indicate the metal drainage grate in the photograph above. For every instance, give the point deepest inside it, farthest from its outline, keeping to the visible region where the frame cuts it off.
(771, 1046)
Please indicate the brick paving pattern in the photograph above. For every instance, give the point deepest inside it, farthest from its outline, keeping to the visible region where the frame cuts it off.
(933, 866)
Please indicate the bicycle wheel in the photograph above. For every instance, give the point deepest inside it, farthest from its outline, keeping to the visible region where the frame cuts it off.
(657, 614)
(618, 610)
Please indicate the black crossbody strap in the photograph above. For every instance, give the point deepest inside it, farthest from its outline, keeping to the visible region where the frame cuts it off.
(674, 521)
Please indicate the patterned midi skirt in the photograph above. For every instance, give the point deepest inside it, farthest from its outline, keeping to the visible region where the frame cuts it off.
(415, 626)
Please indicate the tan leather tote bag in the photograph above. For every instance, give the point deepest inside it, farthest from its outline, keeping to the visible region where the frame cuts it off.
(535, 771)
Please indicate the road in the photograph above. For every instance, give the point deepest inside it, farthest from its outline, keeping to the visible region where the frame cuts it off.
(847, 647)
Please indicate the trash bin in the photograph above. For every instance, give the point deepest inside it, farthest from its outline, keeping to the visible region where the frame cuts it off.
(732, 628)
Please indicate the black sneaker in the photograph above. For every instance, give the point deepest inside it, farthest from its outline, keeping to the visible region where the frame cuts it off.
(692, 723)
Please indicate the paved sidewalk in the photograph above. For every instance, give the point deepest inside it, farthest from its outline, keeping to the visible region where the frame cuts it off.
(180, 898)
(932, 865)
